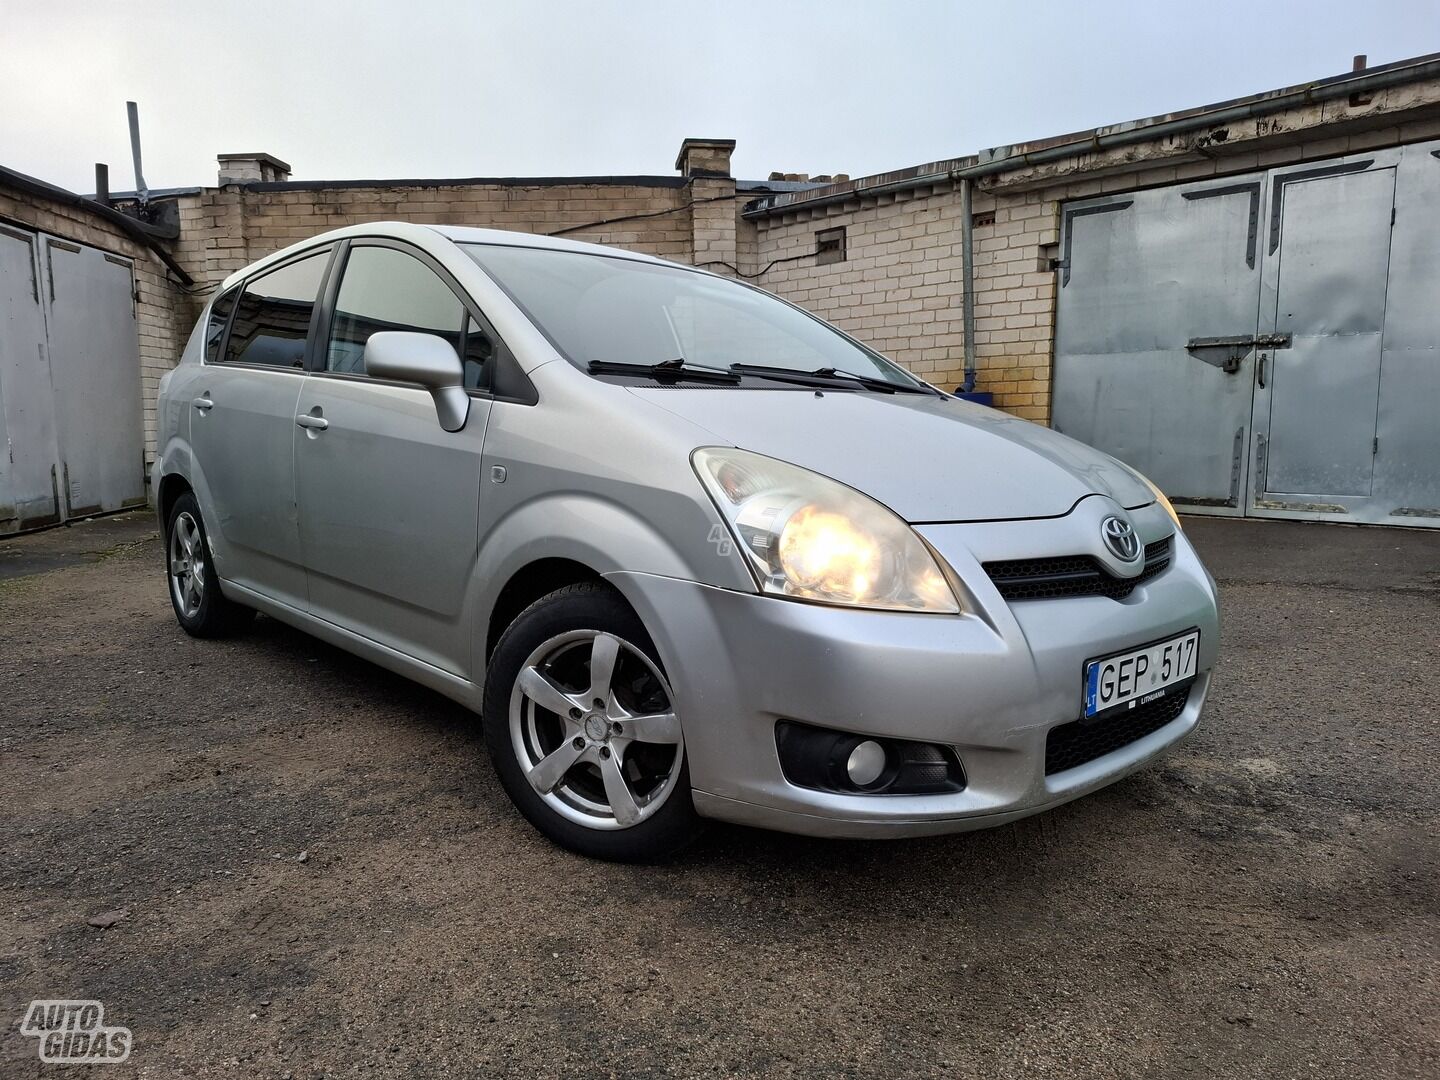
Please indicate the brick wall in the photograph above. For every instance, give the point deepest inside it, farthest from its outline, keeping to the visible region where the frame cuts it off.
(900, 288)
(227, 228)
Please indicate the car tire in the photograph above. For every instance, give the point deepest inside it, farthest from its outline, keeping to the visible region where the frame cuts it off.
(558, 725)
(202, 609)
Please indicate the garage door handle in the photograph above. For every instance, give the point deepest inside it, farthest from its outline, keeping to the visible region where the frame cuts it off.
(319, 423)
(204, 404)
(1263, 358)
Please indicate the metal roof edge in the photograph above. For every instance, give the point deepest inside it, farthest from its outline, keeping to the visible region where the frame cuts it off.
(1019, 155)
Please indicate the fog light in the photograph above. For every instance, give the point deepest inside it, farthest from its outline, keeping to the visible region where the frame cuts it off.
(866, 763)
(826, 760)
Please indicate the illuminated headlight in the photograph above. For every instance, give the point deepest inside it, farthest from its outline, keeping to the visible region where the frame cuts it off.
(812, 538)
(1160, 498)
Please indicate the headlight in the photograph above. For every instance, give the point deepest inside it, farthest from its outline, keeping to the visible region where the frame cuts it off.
(810, 537)
(1161, 499)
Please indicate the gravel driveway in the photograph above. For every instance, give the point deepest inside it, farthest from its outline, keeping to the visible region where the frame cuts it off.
(322, 877)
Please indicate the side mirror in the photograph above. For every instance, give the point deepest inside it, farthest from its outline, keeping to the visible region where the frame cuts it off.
(426, 359)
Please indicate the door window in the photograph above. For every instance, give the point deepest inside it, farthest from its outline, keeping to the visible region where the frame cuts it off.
(272, 317)
(387, 289)
(215, 330)
(479, 354)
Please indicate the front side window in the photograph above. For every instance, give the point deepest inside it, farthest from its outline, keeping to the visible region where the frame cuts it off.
(272, 316)
(602, 308)
(386, 289)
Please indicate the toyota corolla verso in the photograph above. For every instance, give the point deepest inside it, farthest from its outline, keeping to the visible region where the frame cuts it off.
(689, 551)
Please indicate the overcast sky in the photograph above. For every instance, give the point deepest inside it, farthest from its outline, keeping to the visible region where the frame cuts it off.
(433, 88)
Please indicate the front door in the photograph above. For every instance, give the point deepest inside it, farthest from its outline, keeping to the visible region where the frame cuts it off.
(242, 425)
(1318, 388)
(389, 501)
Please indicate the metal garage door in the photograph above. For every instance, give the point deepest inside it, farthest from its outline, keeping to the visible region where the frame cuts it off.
(1266, 344)
(70, 413)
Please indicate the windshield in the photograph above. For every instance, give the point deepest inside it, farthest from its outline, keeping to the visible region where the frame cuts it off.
(615, 310)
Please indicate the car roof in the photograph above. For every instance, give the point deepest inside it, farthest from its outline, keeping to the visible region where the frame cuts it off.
(459, 234)
(466, 235)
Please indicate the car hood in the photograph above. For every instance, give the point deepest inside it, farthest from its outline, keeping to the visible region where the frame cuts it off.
(930, 459)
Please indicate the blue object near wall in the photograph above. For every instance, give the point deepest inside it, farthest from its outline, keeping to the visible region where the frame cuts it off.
(979, 397)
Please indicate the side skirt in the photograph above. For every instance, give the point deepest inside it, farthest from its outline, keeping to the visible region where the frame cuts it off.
(452, 686)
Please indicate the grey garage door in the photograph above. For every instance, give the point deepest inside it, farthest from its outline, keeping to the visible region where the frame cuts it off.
(1266, 344)
(70, 413)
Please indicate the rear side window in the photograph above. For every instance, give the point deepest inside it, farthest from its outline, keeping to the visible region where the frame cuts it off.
(272, 317)
(386, 289)
(215, 329)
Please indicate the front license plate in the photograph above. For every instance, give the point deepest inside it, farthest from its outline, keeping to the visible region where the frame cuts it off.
(1132, 678)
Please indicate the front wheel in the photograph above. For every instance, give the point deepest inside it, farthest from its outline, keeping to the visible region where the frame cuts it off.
(583, 732)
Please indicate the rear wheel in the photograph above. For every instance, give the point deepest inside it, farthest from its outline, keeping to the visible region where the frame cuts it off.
(583, 732)
(194, 585)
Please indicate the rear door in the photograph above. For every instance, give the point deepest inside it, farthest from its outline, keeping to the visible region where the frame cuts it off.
(242, 425)
(389, 501)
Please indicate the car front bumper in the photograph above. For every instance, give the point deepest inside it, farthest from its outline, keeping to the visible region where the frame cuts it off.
(991, 683)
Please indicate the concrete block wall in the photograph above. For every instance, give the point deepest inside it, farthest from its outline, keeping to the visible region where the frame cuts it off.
(900, 287)
(227, 228)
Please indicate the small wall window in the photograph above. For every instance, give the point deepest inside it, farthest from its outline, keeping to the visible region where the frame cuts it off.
(830, 246)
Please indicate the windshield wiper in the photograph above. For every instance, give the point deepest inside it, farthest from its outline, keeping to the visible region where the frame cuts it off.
(679, 368)
(826, 375)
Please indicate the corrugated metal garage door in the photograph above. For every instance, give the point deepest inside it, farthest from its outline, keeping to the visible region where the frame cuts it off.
(70, 413)
(1267, 344)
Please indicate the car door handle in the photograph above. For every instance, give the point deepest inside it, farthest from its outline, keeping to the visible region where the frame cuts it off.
(203, 403)
(317, 423)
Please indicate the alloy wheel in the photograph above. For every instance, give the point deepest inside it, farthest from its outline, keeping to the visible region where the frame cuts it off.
(593, 725)
(187, 565)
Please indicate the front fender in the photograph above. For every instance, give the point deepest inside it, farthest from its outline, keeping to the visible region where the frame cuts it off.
(598, 533)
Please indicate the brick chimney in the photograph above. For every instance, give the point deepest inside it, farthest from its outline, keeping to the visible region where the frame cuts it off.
(252, 169)
(705, 157)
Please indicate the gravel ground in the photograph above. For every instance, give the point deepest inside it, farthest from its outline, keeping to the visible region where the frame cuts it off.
(322, 876)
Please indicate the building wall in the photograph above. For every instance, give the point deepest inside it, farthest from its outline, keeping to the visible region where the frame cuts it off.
(900, 288)
(224, 229)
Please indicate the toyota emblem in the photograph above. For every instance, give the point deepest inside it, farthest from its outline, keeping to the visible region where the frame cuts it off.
(1120, 538)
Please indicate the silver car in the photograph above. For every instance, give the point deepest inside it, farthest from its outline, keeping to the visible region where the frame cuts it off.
(689, 551)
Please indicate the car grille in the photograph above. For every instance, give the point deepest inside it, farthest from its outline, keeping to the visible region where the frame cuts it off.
(1079, 741)
(1073, 575)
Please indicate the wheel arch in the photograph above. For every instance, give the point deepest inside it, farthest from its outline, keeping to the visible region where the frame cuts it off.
(557, 540)
(172, 486)
(531, 582)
